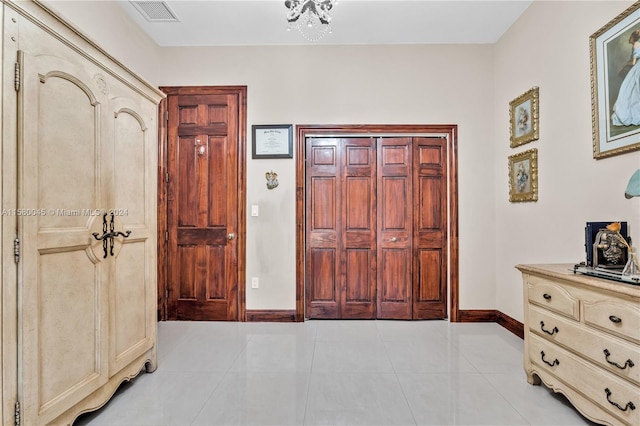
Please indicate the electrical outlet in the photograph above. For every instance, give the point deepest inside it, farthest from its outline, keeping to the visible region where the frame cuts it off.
(254, 282)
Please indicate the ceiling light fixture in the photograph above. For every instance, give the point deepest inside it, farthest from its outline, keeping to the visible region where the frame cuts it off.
(310, 17)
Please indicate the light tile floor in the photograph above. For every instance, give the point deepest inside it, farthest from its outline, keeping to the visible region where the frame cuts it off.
(335, 372)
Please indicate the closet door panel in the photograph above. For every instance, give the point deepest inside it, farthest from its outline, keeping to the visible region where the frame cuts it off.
(62, 322)
(430, 228)
(395, 224)
(430, 267)
(324, 222)
(358, 231)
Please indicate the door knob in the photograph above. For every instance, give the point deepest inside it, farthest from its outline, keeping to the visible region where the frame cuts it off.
(231, 236)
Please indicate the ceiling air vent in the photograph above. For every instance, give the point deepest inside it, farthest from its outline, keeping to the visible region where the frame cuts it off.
(155, 11)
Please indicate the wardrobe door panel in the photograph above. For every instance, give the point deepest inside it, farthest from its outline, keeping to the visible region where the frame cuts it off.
(63, 317)
(133, 205)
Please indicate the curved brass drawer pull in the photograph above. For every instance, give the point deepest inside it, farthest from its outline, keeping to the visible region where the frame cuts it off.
(614, 319)
(629, 405)
(553, 331)
(550, 364)
(628, 363)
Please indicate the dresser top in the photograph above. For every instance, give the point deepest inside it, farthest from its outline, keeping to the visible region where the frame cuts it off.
(564, 271)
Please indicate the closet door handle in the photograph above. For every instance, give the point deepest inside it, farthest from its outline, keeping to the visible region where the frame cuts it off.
(627, 363)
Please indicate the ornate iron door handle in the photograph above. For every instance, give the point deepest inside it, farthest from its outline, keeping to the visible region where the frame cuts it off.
(553, 331)
(628, 363)
(550, 364)
(108, 237)
(629, 405)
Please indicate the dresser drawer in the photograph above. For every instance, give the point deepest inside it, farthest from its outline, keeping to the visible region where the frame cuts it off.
(611, 353)
(616, 317)
(551, 296)
(613, 394)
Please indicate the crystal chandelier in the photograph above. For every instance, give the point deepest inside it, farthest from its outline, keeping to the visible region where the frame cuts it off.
(310, 17)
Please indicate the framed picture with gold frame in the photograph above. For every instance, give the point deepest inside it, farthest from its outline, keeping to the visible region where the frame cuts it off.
(523, 118)
(615, 71)
(523, 176)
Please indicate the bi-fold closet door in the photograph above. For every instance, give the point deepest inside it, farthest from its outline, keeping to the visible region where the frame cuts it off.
(86, 276)
(375, 222)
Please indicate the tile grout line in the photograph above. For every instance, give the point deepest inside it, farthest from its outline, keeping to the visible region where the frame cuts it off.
(313, 356)
(227, 371)
(395, 373)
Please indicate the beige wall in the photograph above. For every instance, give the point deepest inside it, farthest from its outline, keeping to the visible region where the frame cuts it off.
(549, 47)
(467, 85)
(354, 85)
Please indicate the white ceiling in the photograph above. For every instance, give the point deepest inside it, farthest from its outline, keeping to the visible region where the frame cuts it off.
(263, 22)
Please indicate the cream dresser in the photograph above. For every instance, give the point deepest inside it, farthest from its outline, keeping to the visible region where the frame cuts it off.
(582, 339)
(78, 224)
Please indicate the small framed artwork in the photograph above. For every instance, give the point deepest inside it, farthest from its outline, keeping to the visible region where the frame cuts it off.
(523, 176)
(615, 72)
(272, 141)
(523, 118)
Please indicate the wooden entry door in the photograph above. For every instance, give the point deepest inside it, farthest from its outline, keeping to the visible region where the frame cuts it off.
(376, 227)
(203, 196)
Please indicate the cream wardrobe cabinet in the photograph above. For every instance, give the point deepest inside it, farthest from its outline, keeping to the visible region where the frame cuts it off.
(79, 185)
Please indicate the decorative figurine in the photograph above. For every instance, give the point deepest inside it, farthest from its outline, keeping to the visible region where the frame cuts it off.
(272, 179)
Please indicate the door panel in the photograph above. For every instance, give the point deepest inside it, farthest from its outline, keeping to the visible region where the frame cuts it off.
(341, 228)
(133, 202)
(63, 284)
(429, 271)
(431, 245)
(358, 271)
(395, 224)
(202, 207)
(324, 221)
(396, 277)
(323, 286)
(358, 253)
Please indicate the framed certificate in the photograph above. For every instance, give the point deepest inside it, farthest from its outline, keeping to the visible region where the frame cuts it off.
(272, 141)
